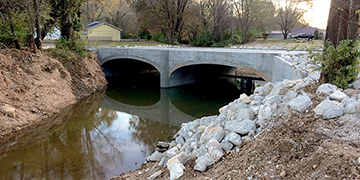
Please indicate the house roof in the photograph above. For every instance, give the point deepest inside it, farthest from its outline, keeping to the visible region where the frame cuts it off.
(276, 32)
(94, 24)
(303, 30)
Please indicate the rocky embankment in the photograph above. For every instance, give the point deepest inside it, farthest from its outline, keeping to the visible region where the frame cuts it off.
(33, 87)
(290, 129)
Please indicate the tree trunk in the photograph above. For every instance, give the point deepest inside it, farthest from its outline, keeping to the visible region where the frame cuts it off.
(333, 23)
(37, 26)
(343, 20)
(353, 28)
(16, 41)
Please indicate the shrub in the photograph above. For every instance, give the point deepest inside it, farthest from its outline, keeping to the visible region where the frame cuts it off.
(204, 40)
(159, 37)
(339, 65)
(316, 34)
(145, 35)
(237, 39)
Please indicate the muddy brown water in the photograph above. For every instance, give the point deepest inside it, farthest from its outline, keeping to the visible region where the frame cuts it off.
(108, 133)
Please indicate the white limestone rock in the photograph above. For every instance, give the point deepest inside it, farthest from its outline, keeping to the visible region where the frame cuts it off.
(215, 149)
(272, 99)
(179, 158)
(352, 108)
(278, 89)
(203, 162)
(226, 145)
(329, 109)
(244, 113)
(176, 171)
(257, 100)
(179, 140)
(255, 109)
(356, 84)
(242, 127)
(156, 156)
(171, 152)
(223, 109)
(289, 96)
(314, 75)
(210, 132)
(326, 89)
(338, 96)
(201, 151)
(192, 126)
(233, 138)
(244, 98)
(266, 111)
(267, 89)
(300, 103)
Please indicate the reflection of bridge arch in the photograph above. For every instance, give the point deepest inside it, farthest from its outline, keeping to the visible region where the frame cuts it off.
(168, 60)
(163, 111)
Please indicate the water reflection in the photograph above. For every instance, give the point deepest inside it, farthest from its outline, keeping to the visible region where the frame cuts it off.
(102, 136)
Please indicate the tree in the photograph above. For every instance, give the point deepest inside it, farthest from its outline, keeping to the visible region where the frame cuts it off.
(340, 57)
(168, 15)
(220, 12)
(343, 21)
(37, 25)
(248, 15)
(287, 14)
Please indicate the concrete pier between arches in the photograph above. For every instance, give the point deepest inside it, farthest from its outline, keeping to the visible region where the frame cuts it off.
(172, 63)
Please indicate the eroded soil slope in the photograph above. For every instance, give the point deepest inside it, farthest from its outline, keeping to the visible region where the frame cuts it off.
(35, 86)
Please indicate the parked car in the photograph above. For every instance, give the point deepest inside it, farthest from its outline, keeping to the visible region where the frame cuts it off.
(309, 37)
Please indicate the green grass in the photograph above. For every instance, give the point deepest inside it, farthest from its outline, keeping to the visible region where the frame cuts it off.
(127, 43)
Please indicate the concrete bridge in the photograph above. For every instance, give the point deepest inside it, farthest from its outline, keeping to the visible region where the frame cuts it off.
(179, 66)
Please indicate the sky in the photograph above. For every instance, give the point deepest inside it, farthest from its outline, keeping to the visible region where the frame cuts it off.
(317, 16)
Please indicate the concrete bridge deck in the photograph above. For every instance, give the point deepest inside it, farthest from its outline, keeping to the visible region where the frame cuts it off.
(173, 63)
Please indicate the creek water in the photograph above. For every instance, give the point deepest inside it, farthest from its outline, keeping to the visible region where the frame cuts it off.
(110, 132)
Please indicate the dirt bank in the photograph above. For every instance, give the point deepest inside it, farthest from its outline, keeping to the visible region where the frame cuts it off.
(34, 87)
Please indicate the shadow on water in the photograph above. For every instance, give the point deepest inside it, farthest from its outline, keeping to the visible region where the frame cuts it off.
(108, 133)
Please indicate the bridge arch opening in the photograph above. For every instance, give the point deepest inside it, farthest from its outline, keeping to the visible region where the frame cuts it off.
(199, 73)
(241, 78)
(131, 72)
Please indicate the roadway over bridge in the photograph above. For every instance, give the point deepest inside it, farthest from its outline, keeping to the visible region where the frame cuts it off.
(179, 66)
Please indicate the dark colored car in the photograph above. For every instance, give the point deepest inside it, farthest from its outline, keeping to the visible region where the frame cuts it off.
(309, 37)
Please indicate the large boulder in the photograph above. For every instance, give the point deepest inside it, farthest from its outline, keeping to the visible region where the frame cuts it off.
(244, 113)
(215, 149)
(156, 156)
(180, 158)
(203, 162)
(233, 138)
(326, 89)
(329, 109)
(211, 132)
(338, 96)
(242, 127)
(176, 171)
(300, 103)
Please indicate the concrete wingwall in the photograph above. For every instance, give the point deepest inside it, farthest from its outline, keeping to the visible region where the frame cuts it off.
(173, 63)
(284, 70)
